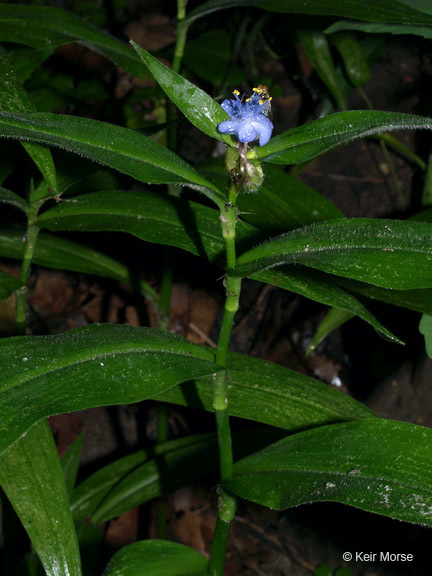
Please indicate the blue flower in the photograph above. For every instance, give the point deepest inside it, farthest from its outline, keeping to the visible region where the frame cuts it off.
(248, 119)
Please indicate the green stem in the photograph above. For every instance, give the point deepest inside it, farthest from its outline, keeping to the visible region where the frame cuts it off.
(400, 147)
(227, 502)
(21, 295)
(181, 35)
(396, 180)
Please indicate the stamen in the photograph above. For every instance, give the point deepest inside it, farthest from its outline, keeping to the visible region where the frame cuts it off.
(247, 100)
(261, 102)
(236, 92)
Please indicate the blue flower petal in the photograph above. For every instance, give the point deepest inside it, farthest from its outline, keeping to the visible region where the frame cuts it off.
(230, 126)
(263, 128)
(246, 131)
(232, 107)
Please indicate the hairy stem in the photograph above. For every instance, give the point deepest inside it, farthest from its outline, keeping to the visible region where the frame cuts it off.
(21, 295)
(227, 503)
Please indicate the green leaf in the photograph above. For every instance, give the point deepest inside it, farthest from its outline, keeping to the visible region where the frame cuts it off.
(60, 254)
(397, 29)
(419, 5)
(311, 140)
(8, 285)
(138, 480)
(13, 98)
(70, 464)
(149, 216)
(90, 493)
(26, 60)
(47, 27)
(316, 46)
(157, 558)
(9, 197)
(198, 107)
(265, 392)
(369, 10)
(323, 288)
(68, 174)
(388, 253)
(334, 318)
(98, 365)
(355, 63)
(417, 300)
(377, 465)
(196, 228)
(425, 328)
(120, 148)
(31, 476)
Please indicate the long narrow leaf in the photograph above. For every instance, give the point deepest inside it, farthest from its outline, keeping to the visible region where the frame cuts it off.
(8, 285)
(381, 28)
(70, 464)
(13, 98)
(157, 558)
(317, 49)
(139, 477)
(311, 140)
(387, 253)
(45, 26)
(265, 392)
(194, 228)
(188, 460)
(32, 478)
(377, 465)
(61, 254)
(200, 109)
(387, 11)
(114, 146)
(334, 318)
(97, 365)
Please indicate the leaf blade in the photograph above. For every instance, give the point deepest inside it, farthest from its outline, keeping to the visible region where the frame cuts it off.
(384, 11)
(388, 253)
(306, 142)
(157, 557)
(107, 356)
(198, 107)
(14, 98)
(31, 476)
(47, 26)
(8, 285)
(120, 148)
(382, 466)
(196, 228)
(296, 401)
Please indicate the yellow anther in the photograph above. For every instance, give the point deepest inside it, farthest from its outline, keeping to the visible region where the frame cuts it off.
(261, 102)
(271, 98)
(236, 92)
(247, 100)
(256, 90)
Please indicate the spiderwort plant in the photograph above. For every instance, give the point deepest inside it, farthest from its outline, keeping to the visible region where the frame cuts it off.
(331, 447)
